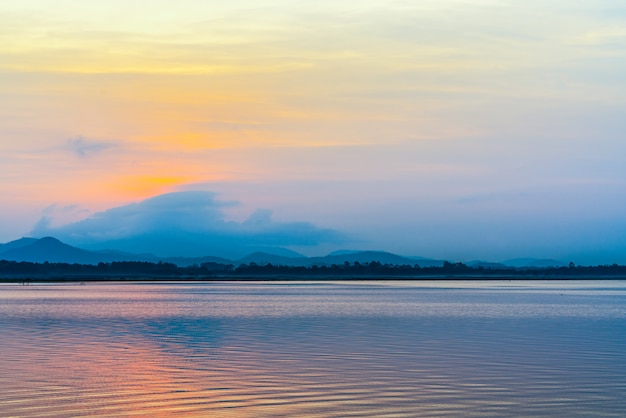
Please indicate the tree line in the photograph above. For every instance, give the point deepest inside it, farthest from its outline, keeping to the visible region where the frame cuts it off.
(373, 269)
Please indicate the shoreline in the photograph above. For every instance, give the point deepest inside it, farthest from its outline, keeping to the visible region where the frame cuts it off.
(26, 280)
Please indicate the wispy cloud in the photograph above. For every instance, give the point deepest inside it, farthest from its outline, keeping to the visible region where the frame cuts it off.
(55, 215)
(85, 148)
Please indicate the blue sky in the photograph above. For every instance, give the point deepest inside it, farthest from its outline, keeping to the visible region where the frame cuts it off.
(450, 129)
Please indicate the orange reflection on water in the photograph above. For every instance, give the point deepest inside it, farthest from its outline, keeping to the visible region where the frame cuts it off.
(228, 351)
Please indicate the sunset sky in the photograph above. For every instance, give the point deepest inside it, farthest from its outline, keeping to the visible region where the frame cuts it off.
(453, 129)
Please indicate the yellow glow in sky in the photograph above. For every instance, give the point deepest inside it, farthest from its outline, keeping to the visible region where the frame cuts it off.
(104, 102)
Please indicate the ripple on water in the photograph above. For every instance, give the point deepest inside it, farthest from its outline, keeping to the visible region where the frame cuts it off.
(331, 350)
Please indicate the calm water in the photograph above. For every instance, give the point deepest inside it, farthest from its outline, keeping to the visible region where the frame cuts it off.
(314, 349)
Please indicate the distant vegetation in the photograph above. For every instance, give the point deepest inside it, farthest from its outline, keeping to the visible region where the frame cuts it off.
(147, 270)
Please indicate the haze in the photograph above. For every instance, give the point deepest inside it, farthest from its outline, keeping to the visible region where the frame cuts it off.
(449, 129)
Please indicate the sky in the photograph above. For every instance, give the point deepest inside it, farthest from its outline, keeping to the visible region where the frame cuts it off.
(452, 129)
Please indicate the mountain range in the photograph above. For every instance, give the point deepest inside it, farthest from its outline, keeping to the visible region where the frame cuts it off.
(49, 249)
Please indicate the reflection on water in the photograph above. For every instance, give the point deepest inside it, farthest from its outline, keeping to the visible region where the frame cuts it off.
(314, 349)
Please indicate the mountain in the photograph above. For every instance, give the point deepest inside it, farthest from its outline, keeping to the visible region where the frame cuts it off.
(384, 257)
(190, 261)
(54, 251)
(337, 257)
(533, 262)
(47, 249)
(487, 265)
(426, 262)
(263, 258)
(344, 252)
(22, 242)
(365, 257)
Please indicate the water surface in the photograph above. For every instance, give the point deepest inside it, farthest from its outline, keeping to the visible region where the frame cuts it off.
(332, 349)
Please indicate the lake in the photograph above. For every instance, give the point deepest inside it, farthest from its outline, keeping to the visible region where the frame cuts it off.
(314, 349)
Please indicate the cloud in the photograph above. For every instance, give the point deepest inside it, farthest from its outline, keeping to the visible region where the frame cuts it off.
(55, 215)
(84, 148)
(190, 223)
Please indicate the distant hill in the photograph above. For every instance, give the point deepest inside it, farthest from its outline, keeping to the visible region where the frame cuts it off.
(190, 261)
(383, 257)
(487, 265)
(337, 258)
(52, 250)
(362, 257)
(22, 242)
(533, 262)
(45, 249)
(262, 258)
(427, 262)
(344, 252)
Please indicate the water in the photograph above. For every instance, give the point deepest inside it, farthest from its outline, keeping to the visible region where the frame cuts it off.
(341, 349)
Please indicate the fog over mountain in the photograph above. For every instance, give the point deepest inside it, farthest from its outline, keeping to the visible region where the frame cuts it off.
(195, 223)
(185, 224)
(189, 225)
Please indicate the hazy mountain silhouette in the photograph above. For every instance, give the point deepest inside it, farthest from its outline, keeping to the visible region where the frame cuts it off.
(263, 258)
(390, 258)
(338, 258)
(19, 243)
(190, 261)
(486, 264)
(533, 262)
(53, 250)
(46, 249)
(364, 257)
(343, 252)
